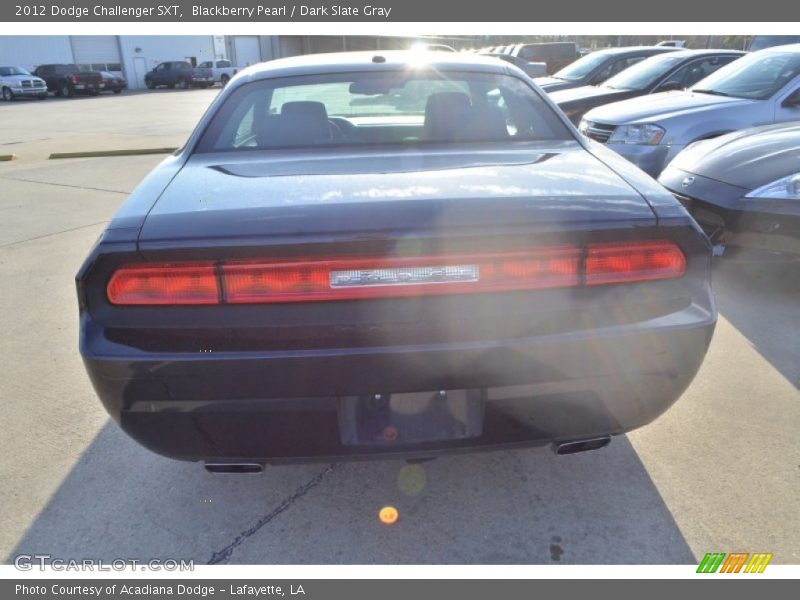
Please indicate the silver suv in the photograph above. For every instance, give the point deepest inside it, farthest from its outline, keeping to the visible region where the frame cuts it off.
(760, 88)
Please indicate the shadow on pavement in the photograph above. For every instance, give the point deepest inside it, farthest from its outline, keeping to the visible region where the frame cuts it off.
(515, 507)
(762, 300)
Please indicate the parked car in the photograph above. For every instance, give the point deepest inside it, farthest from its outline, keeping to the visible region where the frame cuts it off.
(597, 67)
(761, 88)
(531, 69)
(556, 55)
(672, 43)
(68, 80)
(113, 83)
(743, 188)
(664, 72)
(315, 278)
(180, 74)
(761, 42)
(432, 47)
(221, 70)
(16, 82)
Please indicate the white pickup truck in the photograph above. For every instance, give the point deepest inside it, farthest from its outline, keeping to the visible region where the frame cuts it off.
(222, 70)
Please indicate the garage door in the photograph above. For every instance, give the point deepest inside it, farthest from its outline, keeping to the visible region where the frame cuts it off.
(97, 52)
(247, 49)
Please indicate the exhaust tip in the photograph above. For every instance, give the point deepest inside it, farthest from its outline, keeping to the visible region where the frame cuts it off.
(573, 447)
(234, 468)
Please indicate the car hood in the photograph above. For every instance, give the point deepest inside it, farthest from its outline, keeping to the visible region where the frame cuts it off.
(547, 83)
(18, 78)
(586, 91)
(256, 194)
(661, 106)
(747, 159)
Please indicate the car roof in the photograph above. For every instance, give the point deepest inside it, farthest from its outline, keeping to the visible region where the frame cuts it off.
(625, 49)
(375, 60)
(784, 48)
(684, 53)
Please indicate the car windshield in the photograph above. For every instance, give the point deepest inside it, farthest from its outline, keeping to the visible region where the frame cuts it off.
(645, 73)
(107, 75)
(8, 71)
(756, 76)
(412, 107)
(582, 67)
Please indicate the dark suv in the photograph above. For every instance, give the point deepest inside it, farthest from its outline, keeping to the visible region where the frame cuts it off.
(68, 80)
(180, 74)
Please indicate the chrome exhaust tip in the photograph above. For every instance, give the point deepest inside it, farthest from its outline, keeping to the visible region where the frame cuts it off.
(234, 468)
(573, 447)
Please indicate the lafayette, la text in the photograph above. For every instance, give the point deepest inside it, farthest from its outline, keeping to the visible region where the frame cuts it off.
(292, 11)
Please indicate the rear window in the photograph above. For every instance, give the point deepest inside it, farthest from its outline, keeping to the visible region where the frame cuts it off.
(411, 108)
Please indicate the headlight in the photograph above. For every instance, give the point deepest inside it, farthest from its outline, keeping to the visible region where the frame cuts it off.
(786, 188)
(644, 133)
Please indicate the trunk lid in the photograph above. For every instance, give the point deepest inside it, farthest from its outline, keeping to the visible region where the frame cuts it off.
(270, 198)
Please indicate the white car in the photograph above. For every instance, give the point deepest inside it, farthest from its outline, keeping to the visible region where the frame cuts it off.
(222, 70)
(16, 82)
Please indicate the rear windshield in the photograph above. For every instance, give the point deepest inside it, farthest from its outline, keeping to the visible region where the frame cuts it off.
(403, 107)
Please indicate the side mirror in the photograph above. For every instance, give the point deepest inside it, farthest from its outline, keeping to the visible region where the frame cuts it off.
(793, 100)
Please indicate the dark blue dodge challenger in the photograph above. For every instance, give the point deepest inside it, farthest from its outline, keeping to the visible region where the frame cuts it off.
(391, 255)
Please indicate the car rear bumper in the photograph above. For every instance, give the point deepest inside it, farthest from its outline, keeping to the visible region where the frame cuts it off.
(291, 405)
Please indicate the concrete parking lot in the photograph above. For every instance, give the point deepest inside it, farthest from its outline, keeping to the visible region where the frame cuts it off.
(719, 472)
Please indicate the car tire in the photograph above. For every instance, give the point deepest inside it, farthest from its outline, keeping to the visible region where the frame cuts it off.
(65, 91)
(224, 80)
(8, 95)
(150, 85)
(182, 83)
(117, 91)
(42, 97)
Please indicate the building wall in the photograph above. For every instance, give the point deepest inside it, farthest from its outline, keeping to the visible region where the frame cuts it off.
(154, 49)
(28, 51)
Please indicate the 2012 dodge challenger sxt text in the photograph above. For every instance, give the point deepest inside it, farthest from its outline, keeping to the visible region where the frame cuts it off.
(402, 254)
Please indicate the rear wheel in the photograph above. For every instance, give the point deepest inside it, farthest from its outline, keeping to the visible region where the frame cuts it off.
(224, 80)
(65, 89)
(117, 91)
(42, 96)
(8, 95)
(149, 83)
(183, 84)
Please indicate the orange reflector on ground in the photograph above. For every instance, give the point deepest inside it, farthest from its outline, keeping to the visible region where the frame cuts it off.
(388, 515)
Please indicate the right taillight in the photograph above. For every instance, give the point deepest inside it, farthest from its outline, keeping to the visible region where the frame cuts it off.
(632, 261)
(321, 278)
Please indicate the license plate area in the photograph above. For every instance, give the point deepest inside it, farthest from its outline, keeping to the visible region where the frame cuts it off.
(410, 418)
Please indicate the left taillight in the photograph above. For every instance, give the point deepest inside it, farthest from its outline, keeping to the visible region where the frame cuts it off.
(195, 283)
(326, 279)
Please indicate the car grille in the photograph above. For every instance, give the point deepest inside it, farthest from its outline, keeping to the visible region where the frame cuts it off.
(599, 132)
(27, 83)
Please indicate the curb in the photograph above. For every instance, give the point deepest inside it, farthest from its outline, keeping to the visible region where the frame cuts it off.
(7, 157)
(100, 153)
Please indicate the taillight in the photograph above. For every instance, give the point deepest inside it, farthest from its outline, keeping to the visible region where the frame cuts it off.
(74, 78)
(321, 279)
(634, 261)
(350, 279)
(165, 284)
